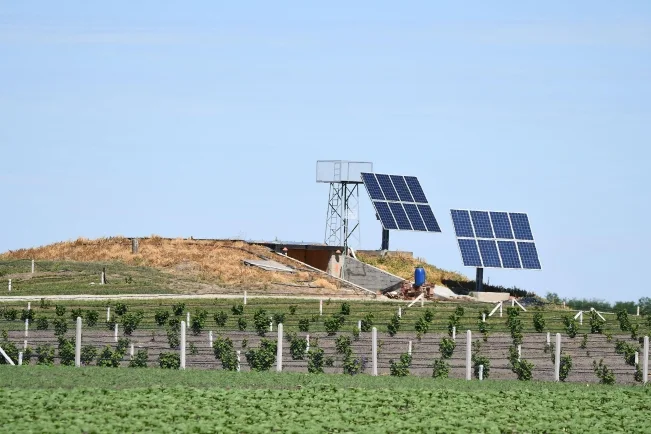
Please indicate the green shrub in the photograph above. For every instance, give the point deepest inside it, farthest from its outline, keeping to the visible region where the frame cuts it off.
(27, 356)
(400, 368)
(161, 316)
(480, 360)
(332, 325)
(131, 321)
(304, 325)
(279, 318)
(45, 304)
(603, 373)
(108, 358)
(120, 308)
(174, 323)
(221, 346)
(220, 318)
(538, 322)
(624, 321)
(262, 358)
(345, 308)
(169, 360)
(42, 323)
(315, 360)
(237, 309)
(88, 354)
(352, 365)
(566, 366)
(367, 322)
(45, 355)
(10, 314)
(60, 326)
(110, 324)
(139, 359)
(421, 326)
(10, 348)
(76, 313)
(59, 310)
(570, 326)
(92, 316)
(178, 309)
(297, 347)
(121, 347)
(261, 321)
(66, 352)
(292, 309)
(173, 337)
(27, 314)
(394, 325)
(446, 347)
(241, 324)
(428, 315)
(441, 369)
(584, 342)
(343, 344)
(198, 322)
(596, 323)
(523, 369)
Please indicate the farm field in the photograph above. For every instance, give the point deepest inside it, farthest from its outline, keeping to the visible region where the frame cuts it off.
(65, 399)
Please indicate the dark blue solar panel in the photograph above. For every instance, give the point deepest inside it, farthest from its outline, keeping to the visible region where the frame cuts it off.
(501, 225)
(401, 188)
(416, 190)
(521, 227)
(428, 218)
(469, 252)
(482, 224)
(462, 225)
(386, 217)
(400, 215)
(489, 255)
(414, 217)
(387, 187)
(509, 254)
(372, 186)
(529, 255)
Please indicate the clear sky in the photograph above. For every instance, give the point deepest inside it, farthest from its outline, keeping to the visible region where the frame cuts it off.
(206, 119)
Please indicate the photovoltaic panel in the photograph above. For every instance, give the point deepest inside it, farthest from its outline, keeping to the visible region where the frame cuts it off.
(372, 186)
(509, 254)
(414, 217)
(529, 255)
(416, 190)
(400, 216)
(385, 214)
(469, 252)
(400, 203)
(401, 188)
(462, 224)
(482, 224)
(521, 228)
(501, 225)
(387, 187)
(489, 255)
(504, 240)
(428, 218)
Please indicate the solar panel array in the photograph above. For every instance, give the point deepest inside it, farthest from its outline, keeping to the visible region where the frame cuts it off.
(490, 239)
(400, 202)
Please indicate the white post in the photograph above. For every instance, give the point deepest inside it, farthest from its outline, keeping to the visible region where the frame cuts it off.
(563, 304)
(637, 357)
(500, 309)
(399, 312)
(483, 317)
(557, 358)
(374, 350)
(187, 320)
(102, 279)
(468, 355)
(238, 360)
(481, 372)
(244, 298)
(519, 352)
(548, 339)
(581, 318)
(131, 351)
(320, 307)
(9, 285)
(210, 338)
(409, 349)
(359, 325)
(645, 362)
(307, 348)
(279, 349)
(26, 327)
(116, 332)
(20, 358)
(32, 266)
(25, 344)
(512, 303)
(7, 358)
(29, 305)
(78, 343)
(271, 324)
(108, 313)
(182, 344)
(638, 311)
(454, 333)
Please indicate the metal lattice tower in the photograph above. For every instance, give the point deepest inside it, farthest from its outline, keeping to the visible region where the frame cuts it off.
(342, 216)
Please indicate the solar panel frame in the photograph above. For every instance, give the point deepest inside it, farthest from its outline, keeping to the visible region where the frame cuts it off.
(401, 216)
(509, 254)
(521, 226)
(387, 187)
(384, 213)
(416, 189)
(462, 223)
(490, 257)
(428, 217)
(529, 255)
(372, 186)
(401, 188)
(481, 223)
(414, 217)
(469, 252)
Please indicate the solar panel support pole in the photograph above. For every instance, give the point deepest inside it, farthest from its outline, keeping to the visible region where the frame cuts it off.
(385, 239)
(479, 280)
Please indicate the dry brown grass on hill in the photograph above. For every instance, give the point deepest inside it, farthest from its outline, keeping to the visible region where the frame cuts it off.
(219, 261)
(403, 266)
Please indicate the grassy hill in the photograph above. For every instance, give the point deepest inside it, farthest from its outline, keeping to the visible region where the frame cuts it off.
(403, 266)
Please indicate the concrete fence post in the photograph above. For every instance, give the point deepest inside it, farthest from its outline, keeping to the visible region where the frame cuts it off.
(116, 332)
(108, 314)
(29, 305)
(271, 323)
(20, 358)
(374, 350)
(25, 344)
(9, 285)
(279, 349)
(210, 338)
(581, 318)
(549, 341)
(102, 278)
(187, 319)
(468, 355)
(481, 372)
(519, 352)
(238, 360)
(78, 343)
(320, 307)
(637, 357)
(307, 348)
(32, 266)
(409, 349)
(134, 246)
(557, 358)
(483, 317)
(500, 310)
(645, 362)
(132, 351)
(244, 298)
(638, 311)
(182, 344)
(26, 327)
(400, 312)
(359, 325)
(454, 333)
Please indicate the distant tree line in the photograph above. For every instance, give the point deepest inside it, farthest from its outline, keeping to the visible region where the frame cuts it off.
(602, 305)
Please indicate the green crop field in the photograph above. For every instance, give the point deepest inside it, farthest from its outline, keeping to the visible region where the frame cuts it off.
(64, 399)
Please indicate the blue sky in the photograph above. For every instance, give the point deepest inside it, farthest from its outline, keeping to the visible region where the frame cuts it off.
(205, 119)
